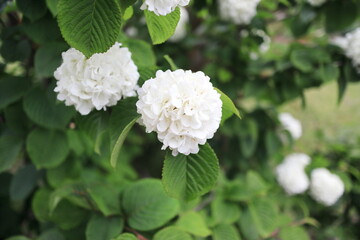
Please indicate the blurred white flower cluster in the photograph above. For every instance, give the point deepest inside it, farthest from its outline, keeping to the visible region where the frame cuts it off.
(291, 124)
(239, 12)
(163, 7)
(97, 82)
(182, 107)
(316, 2)
(351, 46)
(180, 31)
(325, 187)
(291, 173)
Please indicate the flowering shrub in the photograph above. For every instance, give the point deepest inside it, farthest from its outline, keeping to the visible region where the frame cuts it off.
(90, 90)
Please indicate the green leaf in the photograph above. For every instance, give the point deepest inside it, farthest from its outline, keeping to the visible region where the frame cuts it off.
(187, 177)
(12, 89)
(161, 28)
(264, 214)
(76, 193)
(246, 189)
(272, 143)
(47, 148)
(117, 148)
(225, 232)
(42, 108)
(40, 204)
(247, 226)
(52, 5)
(248, 137)
(146, 73)
(172, 233)
(17, 238)
(90, 26)
(12, 50)
(302, 21)
(95, 127)
(228, 107)
(340, 15)
(10, 146)
(301, 59)
(23, 183)
(68, 216)
(194, 223)
(106, 198)
(127, 236)
(147, 206)
(16, 119)
(43, 30)
(67, 171)
(52, 234)
(122, 119)
(329, 72)
(124, 4)
(294, 233)
(48, 58)
(102, 228)
(33, 9)
(141, 53)
(224, 212)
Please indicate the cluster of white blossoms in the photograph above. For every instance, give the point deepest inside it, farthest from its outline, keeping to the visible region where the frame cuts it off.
(351, 46)
(316, 3)
(326, 187)
(97, 82)
(180, 31)
(291, 124)
(163, 7)
(239, 12)
(182, 107)
(291, 173)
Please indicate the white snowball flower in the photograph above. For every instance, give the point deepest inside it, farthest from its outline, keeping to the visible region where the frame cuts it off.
(351, 45)
(163, 7)
(97, 82)
(239, 12)
(291, 124)
(182, 107)
(291, 174)
(325, 187)
(180, 31)
(316, 3)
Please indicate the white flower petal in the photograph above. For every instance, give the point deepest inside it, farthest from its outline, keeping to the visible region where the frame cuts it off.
(326, 188)
(97, 82)
(238, 11)
(291, 174)
(291, 124)
(163, 7)
(182, 107)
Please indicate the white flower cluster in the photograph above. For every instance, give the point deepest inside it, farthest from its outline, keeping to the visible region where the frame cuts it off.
(239, 12)
(326, 188)
(291, 174)
(163, 7)
(182, 107)
(97, 82)
(291, 124)
(316, 3)
(180, 31)
(351, 45)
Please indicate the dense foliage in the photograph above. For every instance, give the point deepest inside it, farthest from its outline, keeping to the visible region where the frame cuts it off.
(101, 176)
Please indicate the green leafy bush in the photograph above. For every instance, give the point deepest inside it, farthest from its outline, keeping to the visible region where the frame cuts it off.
(101, 176)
